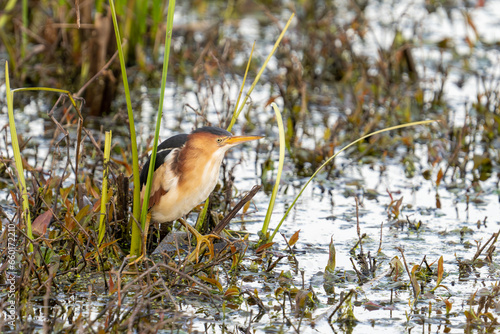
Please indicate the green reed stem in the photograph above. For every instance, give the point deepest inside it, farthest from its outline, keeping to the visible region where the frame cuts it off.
(104, 196)
(24, 36)
(235, 116)
(333, 157)
(166, 56)
(135, 247)
(241, 90)
(270, 208)
(17, 157)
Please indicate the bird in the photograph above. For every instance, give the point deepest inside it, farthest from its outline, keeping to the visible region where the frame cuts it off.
(186, 172)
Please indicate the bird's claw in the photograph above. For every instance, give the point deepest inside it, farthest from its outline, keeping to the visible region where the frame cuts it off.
(200, 240)
(205, 239)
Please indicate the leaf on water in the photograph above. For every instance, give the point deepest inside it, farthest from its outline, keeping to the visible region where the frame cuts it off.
(491, 317)
(394, 207)
(371, 306)
(293, 240)
(448, 305)
(330, 266)
(440, 270)
(112, 288)
(301, 299)
(445, 43)
(397, 265)
(414, 282)
(231, 292)
(439, 177)
(440, 273)
(246, 207)
(469, 315)
(39, 226)
(263, 247)
(279, 291)
(438, 201)
(212, 281)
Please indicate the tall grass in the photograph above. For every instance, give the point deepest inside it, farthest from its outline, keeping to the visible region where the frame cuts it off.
(17, 158)
(140, 216)
(15, 144)
(166, 56)
(270, 207)
(276, 44)
(135, 247)
(24, 36)
(241, 91)
(237, 110)
(104, 193)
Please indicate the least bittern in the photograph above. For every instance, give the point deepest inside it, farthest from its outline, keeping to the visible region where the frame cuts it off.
(186, 172)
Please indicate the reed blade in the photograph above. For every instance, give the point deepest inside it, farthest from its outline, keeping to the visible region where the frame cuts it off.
(104, 196)
(17, 157)
(335, 155)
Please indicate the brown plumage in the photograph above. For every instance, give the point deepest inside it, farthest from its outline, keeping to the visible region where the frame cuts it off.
(186, 171)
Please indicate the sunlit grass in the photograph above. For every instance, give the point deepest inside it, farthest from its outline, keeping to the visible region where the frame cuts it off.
(259, 74)
(333, 157)
(17, 158)
(135, 247)
(166, 56)
(104, 191)
(281, 129)
(15, 144)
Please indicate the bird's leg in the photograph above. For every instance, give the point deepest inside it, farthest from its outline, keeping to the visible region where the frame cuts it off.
(200, 240)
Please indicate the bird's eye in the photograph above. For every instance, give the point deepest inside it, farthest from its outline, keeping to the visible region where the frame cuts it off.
(219, 140)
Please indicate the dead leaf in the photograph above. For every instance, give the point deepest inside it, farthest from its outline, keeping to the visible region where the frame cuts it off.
(39, 226)
(294, 239)
(371, 306)
(330, 266)
(414, 282)
(231, 292)
(212, 281)
(112, 288)
(263, 247)
(246, 207)
(439, 177)
(14, 198)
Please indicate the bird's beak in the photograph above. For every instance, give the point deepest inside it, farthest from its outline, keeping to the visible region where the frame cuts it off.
(235, 140)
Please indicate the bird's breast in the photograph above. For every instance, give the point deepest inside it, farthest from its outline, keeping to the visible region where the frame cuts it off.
(193, 187)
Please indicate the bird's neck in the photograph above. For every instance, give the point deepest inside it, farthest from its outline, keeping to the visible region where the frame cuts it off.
(205, 174)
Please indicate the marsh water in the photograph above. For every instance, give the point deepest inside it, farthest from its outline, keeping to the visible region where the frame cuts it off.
(452, 217)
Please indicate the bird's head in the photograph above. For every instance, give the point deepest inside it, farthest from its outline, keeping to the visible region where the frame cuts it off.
(215, 141)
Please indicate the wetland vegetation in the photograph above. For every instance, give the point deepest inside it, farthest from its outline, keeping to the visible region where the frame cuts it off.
(397, 234)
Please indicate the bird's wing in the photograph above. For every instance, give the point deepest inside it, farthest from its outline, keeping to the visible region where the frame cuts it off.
(163, 176)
